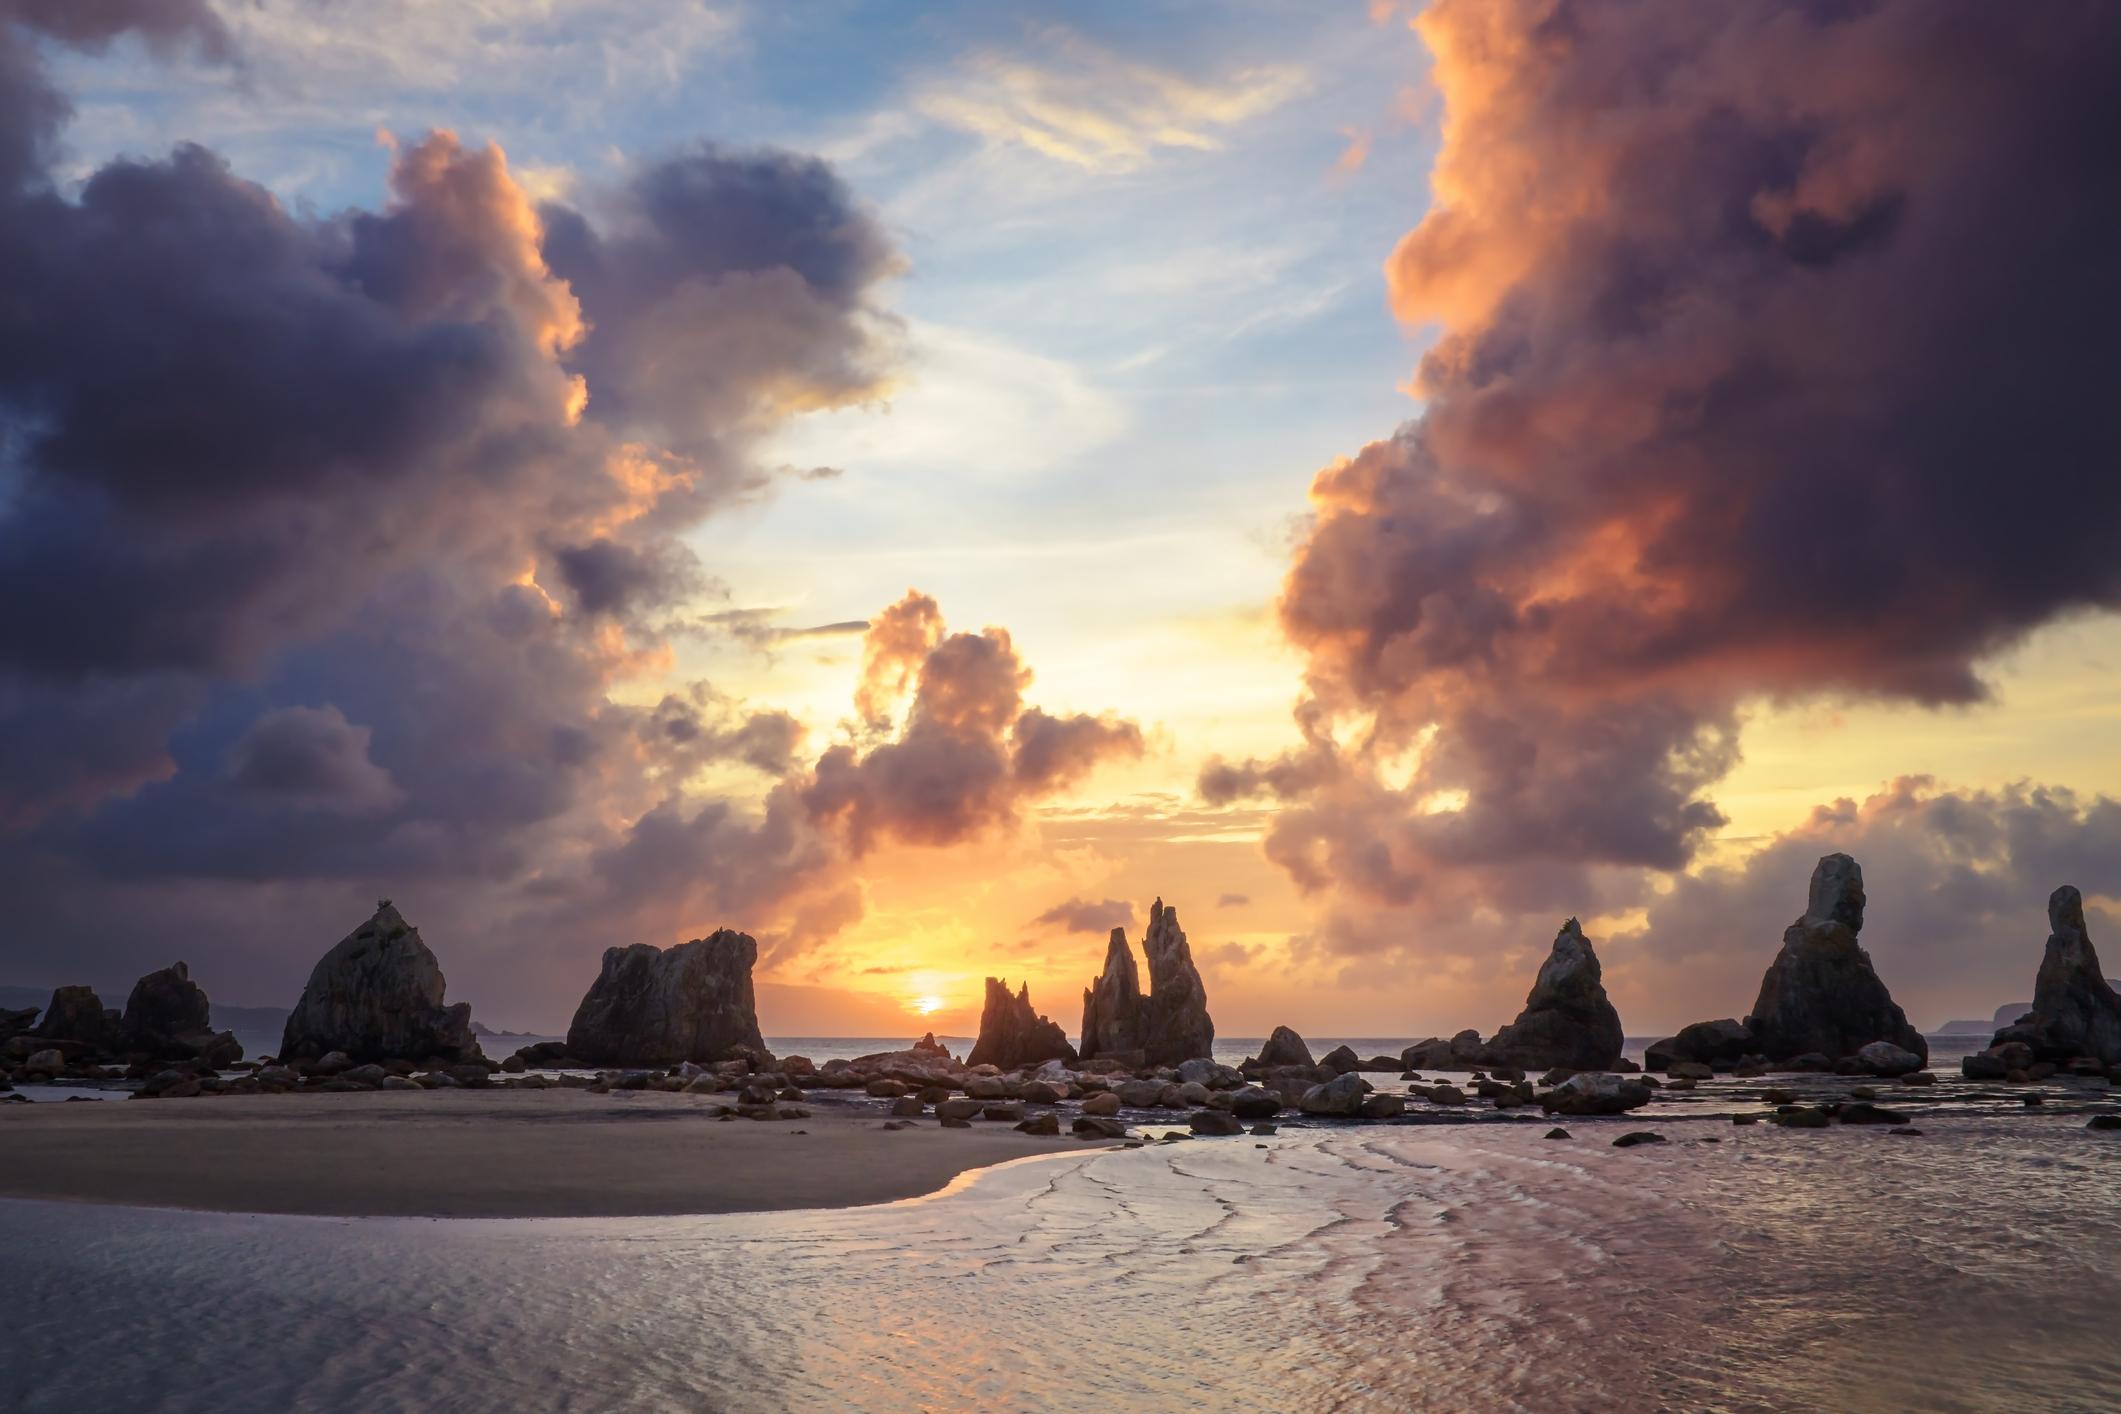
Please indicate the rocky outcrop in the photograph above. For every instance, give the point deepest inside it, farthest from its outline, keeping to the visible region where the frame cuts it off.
(1175, 1022)
(1821, 993)
(377, 996)
(77, 1019)
(1284, 1047)
(1012, 1035)
(1112, 1006)
(1567, 1019)
(2075, 1010)
(17, 1023)
(168, 1017)
(1465, 1051)
(1709, 1043)
(664, 1006)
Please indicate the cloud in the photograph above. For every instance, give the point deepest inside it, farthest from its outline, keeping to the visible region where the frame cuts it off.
(969, 754)
(1089, 108)
(1745, 387)
(310, 757)
(1081, 915)
(1957, 880)
(340, 540)
(1234, 901)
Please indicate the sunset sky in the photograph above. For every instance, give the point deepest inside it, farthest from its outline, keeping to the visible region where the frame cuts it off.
(917, 483)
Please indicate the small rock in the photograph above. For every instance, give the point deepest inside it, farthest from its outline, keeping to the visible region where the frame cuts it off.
(1214, 1122)
(1638, 1136)
(1907, 1129)
(2103, 1122)
(1558, 1134)
(1099, 1127)
(1046, 1124)
(1103, 1103)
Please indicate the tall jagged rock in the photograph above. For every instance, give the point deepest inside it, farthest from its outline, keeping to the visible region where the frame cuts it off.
(1012, 1034)
(2075, 1011)
(1175, 1022)
(1821, 993)
(664, 1006)
(1112, 1007)
(1567, 1019)
(169, 1018)
(378, 995)
(76, 1018)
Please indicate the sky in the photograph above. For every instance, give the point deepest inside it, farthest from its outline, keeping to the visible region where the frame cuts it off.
(918, 482)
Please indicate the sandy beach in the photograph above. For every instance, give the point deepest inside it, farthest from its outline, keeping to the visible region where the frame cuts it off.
(480, 1154)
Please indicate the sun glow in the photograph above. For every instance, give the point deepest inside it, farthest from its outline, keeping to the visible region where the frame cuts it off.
(927, 1006)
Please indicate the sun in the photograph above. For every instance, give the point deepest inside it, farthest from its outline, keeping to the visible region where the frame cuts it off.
(927, 1006)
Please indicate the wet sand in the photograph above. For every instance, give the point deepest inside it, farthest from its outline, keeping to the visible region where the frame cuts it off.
(480, 1154)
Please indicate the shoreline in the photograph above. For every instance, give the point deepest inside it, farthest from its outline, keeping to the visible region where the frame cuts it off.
(483, 1154)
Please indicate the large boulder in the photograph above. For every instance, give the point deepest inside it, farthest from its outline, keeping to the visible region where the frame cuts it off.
(377, 996)
(77, 1017)
(1465, 1051)
(1013, 1035)
(665, 1006)
(1284, 1047)
(1567, 1019)
(1821, 993)
(1595, 1094)
(1340, 1096)
(1175, 1022)
(1709, 1043)
(168, 1017)
(2075, 1011)
(1112, 1006)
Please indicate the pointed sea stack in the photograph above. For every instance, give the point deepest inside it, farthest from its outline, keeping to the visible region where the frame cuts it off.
(1821, 993)
(378, 996)
(2076, 1011)
(1567, 1020)
(1012, 1035)
(168, 1017)
(1176, 1026)
(665, 1006)
(1112, 1007)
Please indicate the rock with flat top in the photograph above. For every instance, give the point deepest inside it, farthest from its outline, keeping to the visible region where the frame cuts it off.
(379, 995)
(662, 1006)
(168, 1017)
(1711, 1043)
(1013, 1035)
(1567, 1018)
(1595, 1094)
(1821, 993)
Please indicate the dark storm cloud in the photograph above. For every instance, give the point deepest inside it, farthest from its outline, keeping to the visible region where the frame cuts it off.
(324, 541)
(1773, 363)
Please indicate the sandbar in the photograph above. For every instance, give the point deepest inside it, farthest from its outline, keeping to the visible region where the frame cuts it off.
(481, 1154)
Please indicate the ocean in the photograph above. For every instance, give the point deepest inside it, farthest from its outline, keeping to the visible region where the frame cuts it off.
(1448, 1267)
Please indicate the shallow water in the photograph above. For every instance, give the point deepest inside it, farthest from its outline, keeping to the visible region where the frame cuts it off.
(1391, 1267)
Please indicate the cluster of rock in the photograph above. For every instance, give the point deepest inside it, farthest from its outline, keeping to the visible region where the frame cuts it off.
(1821, 1007)
(2075, 1020)
(167, 1021)
(1567, 1021)
(1167, 1025)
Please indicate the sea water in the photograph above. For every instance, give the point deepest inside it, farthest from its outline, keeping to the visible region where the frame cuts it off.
(1410, 1267)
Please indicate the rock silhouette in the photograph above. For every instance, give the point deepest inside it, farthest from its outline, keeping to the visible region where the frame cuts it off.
(1012, 1035)
(1567, 1019)
(665, 1006)
(2075, 1010)
(1112, 1006)
(1175, 1022)
(168, 1017)
(77, 1018)
(376, 996)
(1821, 994)
(1284, 1047)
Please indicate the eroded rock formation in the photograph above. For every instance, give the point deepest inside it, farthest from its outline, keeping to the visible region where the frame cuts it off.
(2075, 1011)
(1012, 1034)
(1821, 994)
(377, 996)
(664, 1006)
(168, 1017)
(1567, 1019)
(77, 1019)
(1112, 1006)
(1175, 1022)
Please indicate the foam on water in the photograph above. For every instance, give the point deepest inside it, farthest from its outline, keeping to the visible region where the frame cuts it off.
(1449, 1267)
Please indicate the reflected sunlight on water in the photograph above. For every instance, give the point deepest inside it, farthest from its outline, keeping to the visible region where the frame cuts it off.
(1393, 1268)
